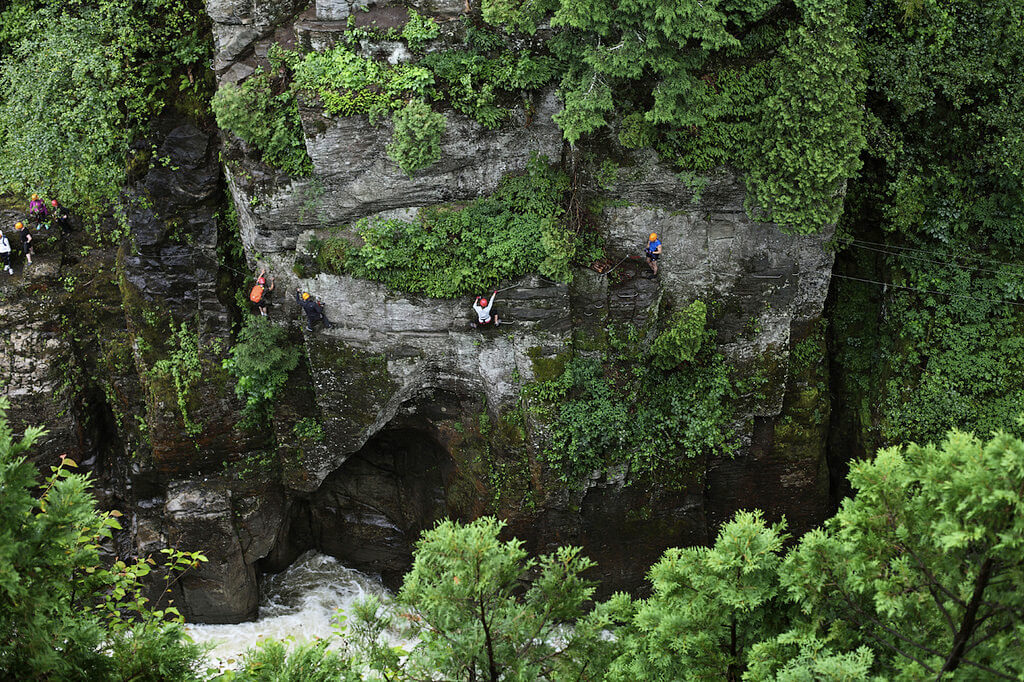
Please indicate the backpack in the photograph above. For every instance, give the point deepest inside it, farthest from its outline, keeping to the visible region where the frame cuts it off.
(256, 295)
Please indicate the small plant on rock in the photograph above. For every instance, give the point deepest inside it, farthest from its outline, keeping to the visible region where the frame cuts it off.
(682, 340)
(260, 361)
(416, 142)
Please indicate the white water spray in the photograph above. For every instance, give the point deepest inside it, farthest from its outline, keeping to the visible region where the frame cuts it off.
(296, 604)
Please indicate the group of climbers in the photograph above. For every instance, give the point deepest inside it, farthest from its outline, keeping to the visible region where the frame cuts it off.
(260, 294)
(22, 240)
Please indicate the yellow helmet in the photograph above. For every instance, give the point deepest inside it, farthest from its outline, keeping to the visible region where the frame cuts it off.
(18, 226)
(653, 237)
(35, 197)
(305, 295)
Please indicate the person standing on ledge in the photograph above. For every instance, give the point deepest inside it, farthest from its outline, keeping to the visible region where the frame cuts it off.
(653, 254)
(5, 254)
(314, 309)
(26, 242)
(37, 209)
(60, 216)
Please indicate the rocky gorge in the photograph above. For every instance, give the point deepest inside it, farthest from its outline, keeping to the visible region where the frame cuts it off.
(402, 413)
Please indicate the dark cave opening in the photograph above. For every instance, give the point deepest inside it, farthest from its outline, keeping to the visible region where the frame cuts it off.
(370, 511)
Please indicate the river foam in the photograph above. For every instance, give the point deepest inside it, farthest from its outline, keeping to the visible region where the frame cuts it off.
(296, 604)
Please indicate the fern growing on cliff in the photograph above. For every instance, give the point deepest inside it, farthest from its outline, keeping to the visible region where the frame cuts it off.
(416, 141)
(260, 361)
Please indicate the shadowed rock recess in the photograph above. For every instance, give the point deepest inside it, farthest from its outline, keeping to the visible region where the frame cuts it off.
(402, 413)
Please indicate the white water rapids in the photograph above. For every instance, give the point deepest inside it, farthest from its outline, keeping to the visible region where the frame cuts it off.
(297, 603)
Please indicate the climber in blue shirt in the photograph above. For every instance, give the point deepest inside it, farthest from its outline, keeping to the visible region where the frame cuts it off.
(653, 254)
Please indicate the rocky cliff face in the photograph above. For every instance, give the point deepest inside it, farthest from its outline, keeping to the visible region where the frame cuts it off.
(414, 411)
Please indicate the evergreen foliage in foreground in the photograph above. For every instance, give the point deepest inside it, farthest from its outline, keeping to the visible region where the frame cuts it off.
(64, 615)
(920, 575)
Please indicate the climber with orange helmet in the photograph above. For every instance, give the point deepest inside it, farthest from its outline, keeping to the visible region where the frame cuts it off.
(483, 311)
(653, 252)
(314, 309)
(26, 242)
(37, 209)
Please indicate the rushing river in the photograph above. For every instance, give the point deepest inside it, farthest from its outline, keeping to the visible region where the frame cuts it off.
(298, 603)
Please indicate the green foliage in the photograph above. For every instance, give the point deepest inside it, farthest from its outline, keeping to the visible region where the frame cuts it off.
(416, 141)
(923, 564)
(485, 610)
(682, 338)
(64, 613)
(517, 15)
(419, 29)
(270, 122)
(940, 194)
(812, 124)
(949, 85)
(453, 250)
(728, 88)
(79, 80)
(792, 657)
(184, 368)
(260, 361)
(349, 84)
(625, 409)
(273, 661)
(308, 429)
(480, 86)
(709, 604)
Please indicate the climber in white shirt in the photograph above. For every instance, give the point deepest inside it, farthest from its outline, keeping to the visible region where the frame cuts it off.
(483, 311)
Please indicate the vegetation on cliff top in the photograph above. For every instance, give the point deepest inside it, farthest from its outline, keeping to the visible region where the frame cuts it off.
(773, 92)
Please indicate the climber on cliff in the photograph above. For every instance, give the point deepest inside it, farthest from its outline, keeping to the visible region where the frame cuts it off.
(26, 242)
(5, 253)
(483, 311)
(653, 253)
(260, 294)
(37, 209)
(60, 216)
(314, 309)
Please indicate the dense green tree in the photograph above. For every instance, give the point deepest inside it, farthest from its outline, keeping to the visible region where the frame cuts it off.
(709, 605)
(939, 210)
(275, 661)
(64, 615)
(481, 609)
(925, 564)
(260, 361)
(416, 141)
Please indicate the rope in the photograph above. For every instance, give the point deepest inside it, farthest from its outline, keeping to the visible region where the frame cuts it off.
(933, 262)
(866, 244)
(927, 291)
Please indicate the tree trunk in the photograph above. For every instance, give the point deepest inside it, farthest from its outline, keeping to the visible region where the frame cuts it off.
(970, 618)
(490, 646)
